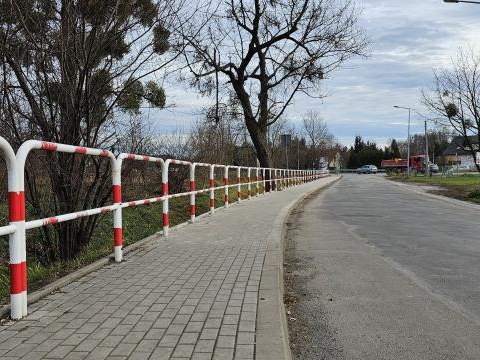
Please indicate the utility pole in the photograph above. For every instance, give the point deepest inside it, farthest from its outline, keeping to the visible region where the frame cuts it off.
(286, 155)
(298, 153)
(427, 160)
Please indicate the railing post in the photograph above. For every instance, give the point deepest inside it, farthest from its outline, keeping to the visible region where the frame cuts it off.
(257, 185)
(165, 213)
(225, 184)
(192, 196)
(239, 186)
(264, 182)
(270, 180)
(212, 186)
(117, 213)
(16, 240)
(18, 216)
(281, 179)
(275, 180)
(249, 186)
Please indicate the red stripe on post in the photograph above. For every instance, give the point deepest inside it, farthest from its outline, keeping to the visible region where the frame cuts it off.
(192, 210)
(131, 157)
(212, 203)
(16, 206)
(165, 189)
(131, 203)
(117, 193)
(226, 198)
(211, 183)
(51, 221)
(166, 219)
(24, 271)
(225, 181)
(117, 236)
(238, 180)
(104, 210)
(146, 158)
(49, 146)
(146, 202)
(17, 278)
(80, 150)
(192, 185)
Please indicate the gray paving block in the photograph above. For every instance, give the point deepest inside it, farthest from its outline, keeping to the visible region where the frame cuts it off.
(223, 354)
(183, 351)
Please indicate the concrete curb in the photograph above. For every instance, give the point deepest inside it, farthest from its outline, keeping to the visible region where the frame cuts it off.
(272, 342)
(417, 189)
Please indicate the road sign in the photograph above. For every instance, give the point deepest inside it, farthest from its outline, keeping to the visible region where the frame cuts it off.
(286, 140)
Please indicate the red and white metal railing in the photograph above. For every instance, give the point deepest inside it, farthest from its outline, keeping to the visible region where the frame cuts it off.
(17, 227)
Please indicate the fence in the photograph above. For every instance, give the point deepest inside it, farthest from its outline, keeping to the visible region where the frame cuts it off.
(17, 227)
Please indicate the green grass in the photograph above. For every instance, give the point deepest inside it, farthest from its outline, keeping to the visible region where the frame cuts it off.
(464, 187)
(138, 223)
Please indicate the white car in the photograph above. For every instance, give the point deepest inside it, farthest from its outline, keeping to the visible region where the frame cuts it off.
(460, 168)
(367, 169)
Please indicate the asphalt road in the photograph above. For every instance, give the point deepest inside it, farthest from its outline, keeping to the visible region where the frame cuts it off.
(376, 271)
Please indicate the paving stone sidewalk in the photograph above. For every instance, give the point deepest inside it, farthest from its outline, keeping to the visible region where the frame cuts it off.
(192, 296)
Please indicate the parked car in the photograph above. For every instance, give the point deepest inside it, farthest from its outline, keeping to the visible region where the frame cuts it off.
(367, 169)
(433, 168)
(459, 168)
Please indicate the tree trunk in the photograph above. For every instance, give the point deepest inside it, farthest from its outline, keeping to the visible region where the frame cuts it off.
(259, 138)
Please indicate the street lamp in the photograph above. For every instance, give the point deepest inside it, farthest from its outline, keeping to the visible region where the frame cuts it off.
(461, 1)
(408, 140)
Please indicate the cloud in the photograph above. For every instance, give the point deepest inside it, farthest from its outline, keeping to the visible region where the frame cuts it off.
(409, 39)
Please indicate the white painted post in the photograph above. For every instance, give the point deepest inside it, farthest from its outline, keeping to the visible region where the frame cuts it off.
(249, 179)
(117, 213)
(165, 213)
(257, 186)
(225, 184)
(212, 186)
(192, 196)
(239, 186)
(16, 239)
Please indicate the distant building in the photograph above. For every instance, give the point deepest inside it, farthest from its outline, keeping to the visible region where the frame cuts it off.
(458, 153)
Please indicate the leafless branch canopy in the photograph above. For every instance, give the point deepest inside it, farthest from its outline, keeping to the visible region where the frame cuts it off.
(267, 51)
(455, 97)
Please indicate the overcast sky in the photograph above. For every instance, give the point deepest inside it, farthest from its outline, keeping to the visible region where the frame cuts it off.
(409, 39)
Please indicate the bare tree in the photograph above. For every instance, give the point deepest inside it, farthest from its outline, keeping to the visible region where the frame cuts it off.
(66, 68)
(455, 97)
(266, 52)
(316, 130)
(318, 135)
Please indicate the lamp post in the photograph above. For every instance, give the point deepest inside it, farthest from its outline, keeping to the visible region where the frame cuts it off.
(408, 139)
(427, 159)
(461, 1)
